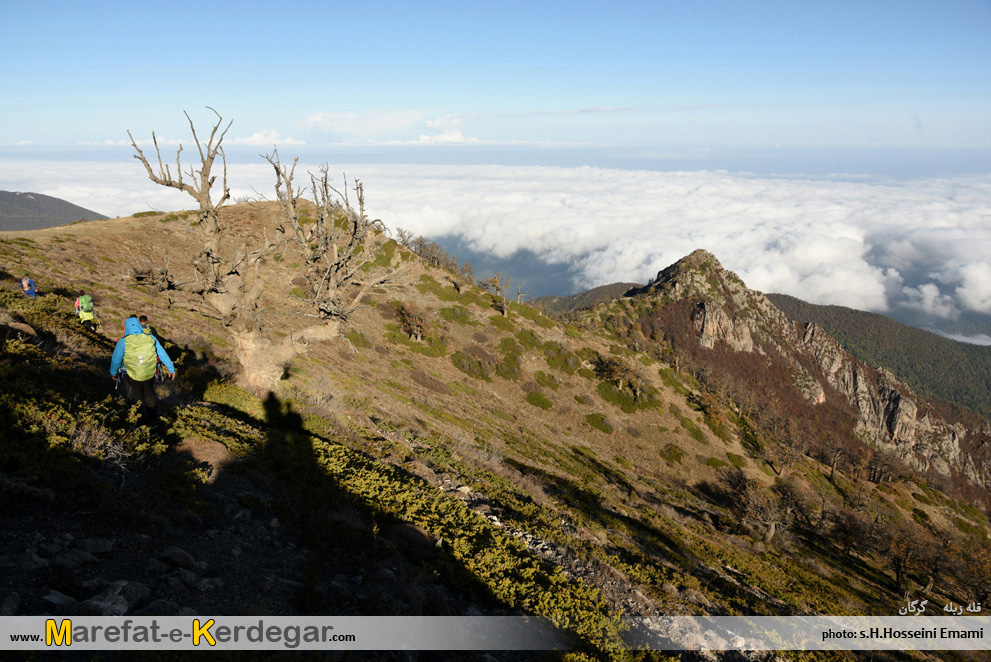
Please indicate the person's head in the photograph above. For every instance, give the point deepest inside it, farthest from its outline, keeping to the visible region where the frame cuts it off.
(82, 292)
(144, 320)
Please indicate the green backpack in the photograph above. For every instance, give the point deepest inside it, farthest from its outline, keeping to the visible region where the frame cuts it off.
(140, 356)
(86, 303)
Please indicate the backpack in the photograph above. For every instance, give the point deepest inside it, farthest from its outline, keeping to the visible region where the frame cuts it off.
(86, 303)
(140, 356)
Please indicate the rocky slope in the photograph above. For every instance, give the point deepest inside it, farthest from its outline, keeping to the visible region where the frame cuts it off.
(726, 315)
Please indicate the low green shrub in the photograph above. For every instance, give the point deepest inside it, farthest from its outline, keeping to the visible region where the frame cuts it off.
(457, 315)
(672, 454)
(471, 366)
(538, 399)
(736, 460)
(546, 380)
(559, 358)
(503, 323)
(509, 368)
(599, 422)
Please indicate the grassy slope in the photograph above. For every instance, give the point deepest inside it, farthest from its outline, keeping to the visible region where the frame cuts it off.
(624, 484)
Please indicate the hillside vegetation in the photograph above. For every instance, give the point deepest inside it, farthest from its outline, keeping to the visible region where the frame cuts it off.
(451, 453)
(934, 366)
(583, 300)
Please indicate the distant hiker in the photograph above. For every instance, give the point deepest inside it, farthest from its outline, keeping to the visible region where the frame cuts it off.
(29, 288)
(139, 353)
(86, 310)
(149, 329)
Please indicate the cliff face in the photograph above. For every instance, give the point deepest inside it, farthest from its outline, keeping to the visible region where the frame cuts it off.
(889, 414)
(727, 316)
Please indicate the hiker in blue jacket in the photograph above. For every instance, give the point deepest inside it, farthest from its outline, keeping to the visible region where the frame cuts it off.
(29, 288)
(140, 352)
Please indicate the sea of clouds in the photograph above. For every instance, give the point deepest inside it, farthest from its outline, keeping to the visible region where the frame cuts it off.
(915, 246)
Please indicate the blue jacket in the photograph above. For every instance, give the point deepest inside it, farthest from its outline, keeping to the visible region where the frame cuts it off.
(133, 326)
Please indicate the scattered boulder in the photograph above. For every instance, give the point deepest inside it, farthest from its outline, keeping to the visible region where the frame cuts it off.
(73, 558)
(187, 577)
(60, 602)
(178, 557)
(159, 608)
(95, 545)
(48, 549)
(31, 561)
(119, 598)
(9, 605)
(136, 594)
(156, 567)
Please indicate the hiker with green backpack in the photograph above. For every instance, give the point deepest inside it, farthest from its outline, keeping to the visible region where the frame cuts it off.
(139, 353)
(86, 310)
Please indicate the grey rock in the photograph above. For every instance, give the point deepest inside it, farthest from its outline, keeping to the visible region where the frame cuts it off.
(158, 608)
(187, 577)
(178, 557)
(186, 611)
(156, 567)
(209, 583)
(48, 549)
(73, 558)
(95, 545)
(9, 605)
(135, 594)
(291, 583)
(174, 584)
(105, 604)
(31, 561)
(60, 602)
(385, 576)
(94, 586)
(340, 591)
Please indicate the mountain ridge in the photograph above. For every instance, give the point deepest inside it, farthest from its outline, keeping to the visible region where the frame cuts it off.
(35, 211)
(723, 313)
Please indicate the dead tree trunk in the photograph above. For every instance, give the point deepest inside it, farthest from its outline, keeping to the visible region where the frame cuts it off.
(226, 283)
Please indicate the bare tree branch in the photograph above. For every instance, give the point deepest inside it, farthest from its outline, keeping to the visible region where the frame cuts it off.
(342, 253)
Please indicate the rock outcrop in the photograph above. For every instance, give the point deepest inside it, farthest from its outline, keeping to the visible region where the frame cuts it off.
(727, 315)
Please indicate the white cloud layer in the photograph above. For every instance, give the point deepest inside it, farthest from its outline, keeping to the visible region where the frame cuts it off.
(266, 138)
(369, 126)
(921, 245)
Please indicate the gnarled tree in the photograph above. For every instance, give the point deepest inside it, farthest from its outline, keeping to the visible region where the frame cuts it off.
(343, 254)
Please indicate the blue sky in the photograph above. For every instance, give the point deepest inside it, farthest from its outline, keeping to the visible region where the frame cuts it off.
(837, 151)
(640, 78)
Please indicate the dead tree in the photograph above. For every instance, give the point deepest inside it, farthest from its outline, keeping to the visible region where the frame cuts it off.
(497, 285)
(228, 280)
(200, 184)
